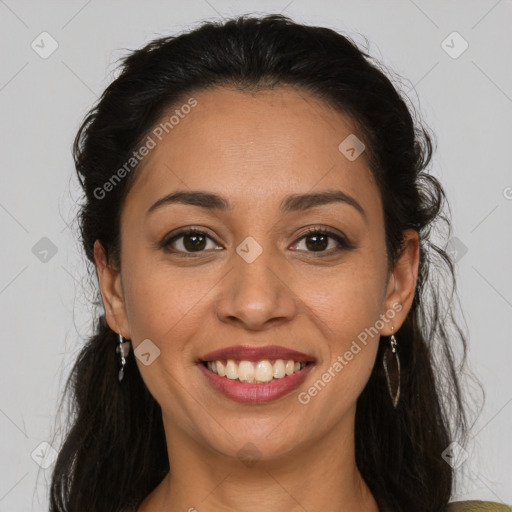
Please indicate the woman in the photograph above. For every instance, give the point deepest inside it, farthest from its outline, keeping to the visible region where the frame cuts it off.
(258, 213)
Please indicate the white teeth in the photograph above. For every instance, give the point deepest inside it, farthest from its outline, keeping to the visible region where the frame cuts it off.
(264, 371)
(261, 371)
(231, 370)
(246, 371)
(279, 369)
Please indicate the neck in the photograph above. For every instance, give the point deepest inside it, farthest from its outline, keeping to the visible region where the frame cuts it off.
(321, 476)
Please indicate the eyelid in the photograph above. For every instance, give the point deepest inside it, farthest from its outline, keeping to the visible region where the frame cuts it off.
(319, 228)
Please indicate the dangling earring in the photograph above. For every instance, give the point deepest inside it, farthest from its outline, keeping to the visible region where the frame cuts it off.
(123, 349)
(393, 387)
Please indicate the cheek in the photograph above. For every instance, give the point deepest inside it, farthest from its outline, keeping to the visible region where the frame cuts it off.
(161, 299)
(350, 316)
(349, 298)
(347, 305)
(163, 305)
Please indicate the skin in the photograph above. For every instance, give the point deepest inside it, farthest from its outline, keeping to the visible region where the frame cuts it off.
(255, 149)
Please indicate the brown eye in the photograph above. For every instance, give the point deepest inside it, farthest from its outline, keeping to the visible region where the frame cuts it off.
(317, 241)
(189, 241)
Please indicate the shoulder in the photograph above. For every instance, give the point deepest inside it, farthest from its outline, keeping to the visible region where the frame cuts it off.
(477, 506)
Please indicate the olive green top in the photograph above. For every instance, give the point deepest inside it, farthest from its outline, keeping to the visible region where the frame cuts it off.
(477, 506)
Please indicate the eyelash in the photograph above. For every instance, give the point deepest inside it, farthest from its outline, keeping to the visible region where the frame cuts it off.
(343, 243)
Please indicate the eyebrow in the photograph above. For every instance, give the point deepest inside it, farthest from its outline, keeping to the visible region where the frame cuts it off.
(291, 203)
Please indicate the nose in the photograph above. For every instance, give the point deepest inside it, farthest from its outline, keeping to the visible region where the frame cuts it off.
(256, 295)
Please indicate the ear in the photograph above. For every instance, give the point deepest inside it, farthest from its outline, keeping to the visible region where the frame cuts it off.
(111, 292)
(402, 282)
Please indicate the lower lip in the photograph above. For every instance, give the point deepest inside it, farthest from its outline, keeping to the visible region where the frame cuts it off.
(256, 393)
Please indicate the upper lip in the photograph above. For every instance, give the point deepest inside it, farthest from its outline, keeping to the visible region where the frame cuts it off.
(248, 353)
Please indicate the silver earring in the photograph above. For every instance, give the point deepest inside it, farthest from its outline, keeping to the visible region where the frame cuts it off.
(122, 349)
(393, 382)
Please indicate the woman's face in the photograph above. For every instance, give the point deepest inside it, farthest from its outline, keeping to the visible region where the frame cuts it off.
(254, 277)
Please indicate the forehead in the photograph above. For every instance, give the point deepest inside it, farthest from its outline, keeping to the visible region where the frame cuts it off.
(253, 147)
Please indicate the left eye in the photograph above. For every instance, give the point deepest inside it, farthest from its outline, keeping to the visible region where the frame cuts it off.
(193, 240)
(320, 240)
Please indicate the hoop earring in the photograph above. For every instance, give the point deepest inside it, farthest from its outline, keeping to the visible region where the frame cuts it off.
(393, 387)
(122, 349)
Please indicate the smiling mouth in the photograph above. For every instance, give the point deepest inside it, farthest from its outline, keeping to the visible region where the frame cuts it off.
(256, 372)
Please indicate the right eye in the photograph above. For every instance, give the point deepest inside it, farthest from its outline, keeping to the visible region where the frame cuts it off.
(192, 240)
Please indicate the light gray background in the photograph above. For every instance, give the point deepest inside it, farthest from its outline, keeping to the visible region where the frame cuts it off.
(467, 101)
